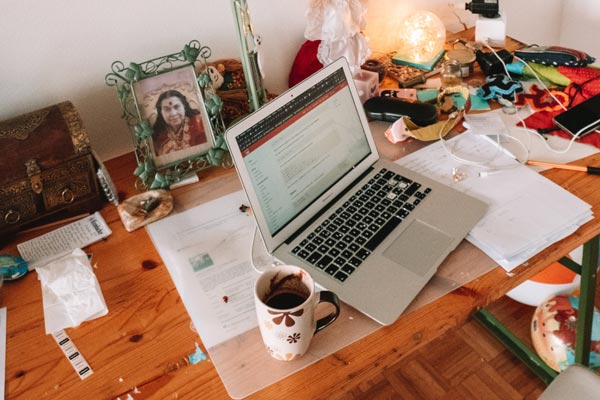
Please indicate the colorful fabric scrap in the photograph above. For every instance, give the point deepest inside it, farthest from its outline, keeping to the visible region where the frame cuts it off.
(499, 86)
(541, 100)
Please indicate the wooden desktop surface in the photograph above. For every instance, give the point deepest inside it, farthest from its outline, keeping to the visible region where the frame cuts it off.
(140, 347)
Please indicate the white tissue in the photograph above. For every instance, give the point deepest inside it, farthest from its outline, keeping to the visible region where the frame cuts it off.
(70, 292)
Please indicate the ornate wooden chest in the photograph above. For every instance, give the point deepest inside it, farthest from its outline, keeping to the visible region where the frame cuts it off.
(47, 170)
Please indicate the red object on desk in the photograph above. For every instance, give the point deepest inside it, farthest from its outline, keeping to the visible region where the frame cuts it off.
(585, 83)
(306, 62)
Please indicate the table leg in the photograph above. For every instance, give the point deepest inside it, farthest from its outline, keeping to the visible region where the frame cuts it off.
(587, 270)
(587, 292)
(516, 346)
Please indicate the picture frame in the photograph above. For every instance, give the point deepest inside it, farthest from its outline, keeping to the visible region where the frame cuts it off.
(249, 47)
(174, 116)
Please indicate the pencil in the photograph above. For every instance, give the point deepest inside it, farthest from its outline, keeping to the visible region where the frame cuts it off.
(581, 168)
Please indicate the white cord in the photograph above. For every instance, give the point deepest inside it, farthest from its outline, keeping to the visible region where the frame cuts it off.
(527, 149)
(528, 130)
(541, 82)
(482, 163)
(485, 43)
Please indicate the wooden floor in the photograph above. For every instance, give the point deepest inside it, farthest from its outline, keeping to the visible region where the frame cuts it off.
(467, 363)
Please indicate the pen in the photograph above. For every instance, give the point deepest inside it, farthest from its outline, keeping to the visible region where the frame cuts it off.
(589, 170)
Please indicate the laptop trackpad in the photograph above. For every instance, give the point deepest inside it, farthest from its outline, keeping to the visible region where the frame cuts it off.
(418, 247)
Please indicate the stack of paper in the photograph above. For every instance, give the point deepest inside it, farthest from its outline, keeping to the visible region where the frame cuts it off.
(527, 212)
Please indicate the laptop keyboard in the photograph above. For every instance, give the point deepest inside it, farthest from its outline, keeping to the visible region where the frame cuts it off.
(341, 243)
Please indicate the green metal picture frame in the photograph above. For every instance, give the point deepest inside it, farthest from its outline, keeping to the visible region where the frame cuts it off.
(141, 90)
(249, 47)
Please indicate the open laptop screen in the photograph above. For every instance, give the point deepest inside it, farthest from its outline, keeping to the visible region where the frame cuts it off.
(302, 149)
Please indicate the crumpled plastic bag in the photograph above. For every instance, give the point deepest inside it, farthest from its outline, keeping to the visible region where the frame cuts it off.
(70, 292)
(338, 25)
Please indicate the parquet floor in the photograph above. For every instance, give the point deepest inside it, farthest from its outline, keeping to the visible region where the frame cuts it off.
(466, 363)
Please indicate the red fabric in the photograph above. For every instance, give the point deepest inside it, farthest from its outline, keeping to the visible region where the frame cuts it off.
(585, 83)
(306, 62)
(543, 120)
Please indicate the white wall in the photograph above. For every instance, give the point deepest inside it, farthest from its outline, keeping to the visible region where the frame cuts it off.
(61, 49)
(55, 50)
(580, 26)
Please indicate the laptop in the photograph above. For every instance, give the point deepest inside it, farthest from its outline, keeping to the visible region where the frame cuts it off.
(366, 228)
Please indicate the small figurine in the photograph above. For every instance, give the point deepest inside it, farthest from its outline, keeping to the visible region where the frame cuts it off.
(216, 75)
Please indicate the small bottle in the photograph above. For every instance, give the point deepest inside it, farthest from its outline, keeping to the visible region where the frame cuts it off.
(451, 74)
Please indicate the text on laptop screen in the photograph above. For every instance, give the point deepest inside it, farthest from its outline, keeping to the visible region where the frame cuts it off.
(302, 149)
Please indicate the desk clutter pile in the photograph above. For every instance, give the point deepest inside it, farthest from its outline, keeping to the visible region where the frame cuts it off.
(548, 80)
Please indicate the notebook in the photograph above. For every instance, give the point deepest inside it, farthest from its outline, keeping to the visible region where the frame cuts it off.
(367, 229)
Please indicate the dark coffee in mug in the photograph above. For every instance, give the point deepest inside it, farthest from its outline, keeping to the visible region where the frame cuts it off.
(286, 292)
(285, 301)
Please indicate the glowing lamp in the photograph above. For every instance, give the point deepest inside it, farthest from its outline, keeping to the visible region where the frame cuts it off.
(422, 37)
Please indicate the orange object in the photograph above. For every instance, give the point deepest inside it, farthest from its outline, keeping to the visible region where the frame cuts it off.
(555, 274)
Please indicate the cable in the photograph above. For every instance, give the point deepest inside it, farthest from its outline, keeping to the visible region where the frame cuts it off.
(527, 149)
(483, 163)
(543, 85)
(485, 43)
(541, 82)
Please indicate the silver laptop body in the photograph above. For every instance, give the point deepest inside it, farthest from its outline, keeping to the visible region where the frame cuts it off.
(302, 158)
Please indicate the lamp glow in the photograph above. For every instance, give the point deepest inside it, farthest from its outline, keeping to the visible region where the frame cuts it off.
(422, 37)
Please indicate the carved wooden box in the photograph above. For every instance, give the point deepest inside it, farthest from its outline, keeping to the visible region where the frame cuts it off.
(47, 171)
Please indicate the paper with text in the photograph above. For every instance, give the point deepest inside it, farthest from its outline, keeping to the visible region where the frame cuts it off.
(63, 240)
(207, 252)
(527, 212)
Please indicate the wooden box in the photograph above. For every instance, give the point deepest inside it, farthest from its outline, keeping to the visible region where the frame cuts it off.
(47, 170)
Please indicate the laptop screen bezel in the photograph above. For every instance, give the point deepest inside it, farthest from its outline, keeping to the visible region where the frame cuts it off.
(274, 241)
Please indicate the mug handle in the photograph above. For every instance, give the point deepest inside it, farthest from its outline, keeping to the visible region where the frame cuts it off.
(328, 297)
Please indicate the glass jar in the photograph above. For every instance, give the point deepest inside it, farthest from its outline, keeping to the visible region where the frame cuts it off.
(451, 74)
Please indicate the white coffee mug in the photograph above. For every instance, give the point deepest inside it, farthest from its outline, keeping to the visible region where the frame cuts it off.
(286, 301)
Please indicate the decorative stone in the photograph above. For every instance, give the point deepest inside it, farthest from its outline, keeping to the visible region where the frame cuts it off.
(145, 208)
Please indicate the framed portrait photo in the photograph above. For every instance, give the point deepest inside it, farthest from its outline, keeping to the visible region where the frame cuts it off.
(173, 104)
(174, 115)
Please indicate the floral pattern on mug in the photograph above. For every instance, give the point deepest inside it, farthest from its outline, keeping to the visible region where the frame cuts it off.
(293, 338)
(286, 316)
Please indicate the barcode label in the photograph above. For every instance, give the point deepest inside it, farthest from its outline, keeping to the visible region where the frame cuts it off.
(75, 358)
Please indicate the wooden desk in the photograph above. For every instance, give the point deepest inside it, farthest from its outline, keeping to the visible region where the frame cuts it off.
(143, 342)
